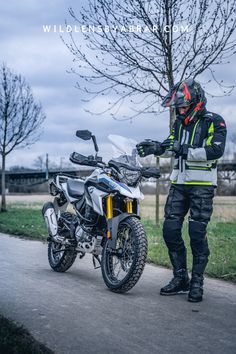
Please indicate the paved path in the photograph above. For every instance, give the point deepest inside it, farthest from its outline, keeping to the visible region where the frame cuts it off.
(74, 313)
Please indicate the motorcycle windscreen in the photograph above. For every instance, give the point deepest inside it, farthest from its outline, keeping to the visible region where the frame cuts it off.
(124, 150)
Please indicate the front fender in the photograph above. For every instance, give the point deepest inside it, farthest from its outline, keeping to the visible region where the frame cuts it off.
(112, 226)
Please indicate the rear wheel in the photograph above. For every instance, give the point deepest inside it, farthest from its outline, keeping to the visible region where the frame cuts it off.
(122, 267)
(61, 256)
(60, 259)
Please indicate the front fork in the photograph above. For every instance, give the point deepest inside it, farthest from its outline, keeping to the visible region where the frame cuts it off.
(109, 214)
(109, 207)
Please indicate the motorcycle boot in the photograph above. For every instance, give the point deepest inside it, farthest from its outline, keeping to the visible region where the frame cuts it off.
(180, 283)
(196, 288)
(196, 284)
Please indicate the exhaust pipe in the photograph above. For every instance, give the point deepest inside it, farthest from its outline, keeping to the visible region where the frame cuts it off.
(50, 218)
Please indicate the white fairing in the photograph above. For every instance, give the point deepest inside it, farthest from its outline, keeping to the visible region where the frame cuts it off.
(122, 188)
(133, 193)
(96, 197)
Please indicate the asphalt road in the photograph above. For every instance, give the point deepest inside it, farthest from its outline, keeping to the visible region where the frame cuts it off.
(74, 313)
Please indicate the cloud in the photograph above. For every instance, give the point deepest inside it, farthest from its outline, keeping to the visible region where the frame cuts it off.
(43, 60)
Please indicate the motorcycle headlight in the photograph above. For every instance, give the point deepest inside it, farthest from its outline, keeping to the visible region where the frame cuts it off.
(129, 177)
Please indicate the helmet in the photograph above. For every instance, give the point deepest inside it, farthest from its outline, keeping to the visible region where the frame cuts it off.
(185, 93)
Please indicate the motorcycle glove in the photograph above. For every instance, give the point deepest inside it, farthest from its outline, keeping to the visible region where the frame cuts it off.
(176, 147)
(149, 147)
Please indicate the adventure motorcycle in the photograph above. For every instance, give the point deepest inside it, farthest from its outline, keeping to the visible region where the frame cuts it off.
(105, 221)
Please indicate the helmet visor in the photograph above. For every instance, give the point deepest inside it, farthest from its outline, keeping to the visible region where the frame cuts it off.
(179, 96)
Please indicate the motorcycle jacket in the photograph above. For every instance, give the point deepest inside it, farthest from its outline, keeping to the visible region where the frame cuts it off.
(205, 137)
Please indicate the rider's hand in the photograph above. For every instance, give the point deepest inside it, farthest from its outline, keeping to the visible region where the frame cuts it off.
(170, 145)
(176, 147)
(149, 147)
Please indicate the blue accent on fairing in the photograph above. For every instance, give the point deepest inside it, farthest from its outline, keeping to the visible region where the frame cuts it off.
(123, 186)
(112, 183)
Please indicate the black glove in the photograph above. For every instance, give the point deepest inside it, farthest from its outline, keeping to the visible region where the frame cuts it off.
(149, 147)
(175, 146)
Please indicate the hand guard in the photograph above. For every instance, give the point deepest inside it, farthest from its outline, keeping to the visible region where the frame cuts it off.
(149, 147)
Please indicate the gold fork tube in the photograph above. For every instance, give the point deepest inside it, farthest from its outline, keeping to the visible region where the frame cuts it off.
(109, 207)
(129, 206)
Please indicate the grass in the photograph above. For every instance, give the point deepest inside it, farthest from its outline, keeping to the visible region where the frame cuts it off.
(224, 207)
(22, 221)
(28, 222)
(222, 244)
(16, 339)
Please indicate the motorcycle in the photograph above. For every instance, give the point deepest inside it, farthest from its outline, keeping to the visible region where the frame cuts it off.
(105, 221)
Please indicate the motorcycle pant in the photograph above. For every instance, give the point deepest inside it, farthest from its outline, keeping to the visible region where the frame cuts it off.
(198, 200)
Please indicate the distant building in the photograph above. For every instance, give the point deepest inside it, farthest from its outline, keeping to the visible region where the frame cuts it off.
(33, 181)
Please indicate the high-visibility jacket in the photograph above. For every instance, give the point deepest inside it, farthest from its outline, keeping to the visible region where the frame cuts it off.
(206, 137)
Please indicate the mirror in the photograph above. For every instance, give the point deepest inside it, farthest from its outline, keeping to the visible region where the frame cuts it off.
(84, 134)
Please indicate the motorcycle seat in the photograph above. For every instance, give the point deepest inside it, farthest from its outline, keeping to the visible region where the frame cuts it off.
(75, 188)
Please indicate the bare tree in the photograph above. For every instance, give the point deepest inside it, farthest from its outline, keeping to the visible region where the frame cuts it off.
(20, 117)
(135, 50)
(39, 163)
(232, 139)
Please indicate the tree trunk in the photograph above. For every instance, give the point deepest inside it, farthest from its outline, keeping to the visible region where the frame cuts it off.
(172, 118)
(47, 170)
(157, 196)
(171, 123)
(3, 203)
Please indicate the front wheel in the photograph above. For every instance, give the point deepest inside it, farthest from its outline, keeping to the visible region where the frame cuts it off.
(122, 267)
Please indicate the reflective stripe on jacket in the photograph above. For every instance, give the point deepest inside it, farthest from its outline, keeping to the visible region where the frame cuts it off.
(206, 137)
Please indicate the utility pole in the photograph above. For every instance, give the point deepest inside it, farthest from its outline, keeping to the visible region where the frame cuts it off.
(157, 195)
(46, 176)
(61, 162)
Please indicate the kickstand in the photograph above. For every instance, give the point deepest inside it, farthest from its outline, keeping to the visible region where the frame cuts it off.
(95, 257)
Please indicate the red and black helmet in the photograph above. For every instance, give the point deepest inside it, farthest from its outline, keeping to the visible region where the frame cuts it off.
(185, 93)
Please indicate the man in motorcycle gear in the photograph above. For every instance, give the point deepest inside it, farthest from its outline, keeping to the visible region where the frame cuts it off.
(197, 141)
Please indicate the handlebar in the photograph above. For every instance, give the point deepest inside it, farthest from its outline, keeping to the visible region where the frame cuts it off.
(79, 159)
(90, 160)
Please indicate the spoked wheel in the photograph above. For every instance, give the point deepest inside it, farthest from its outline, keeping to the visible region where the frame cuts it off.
(60, 259)
(122, 267)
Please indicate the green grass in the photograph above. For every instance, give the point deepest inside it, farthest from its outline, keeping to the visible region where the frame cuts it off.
(15, 339)
(27, 222)
(23, 222)
(222, 244)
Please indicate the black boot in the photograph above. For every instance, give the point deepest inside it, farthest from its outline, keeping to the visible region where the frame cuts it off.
(196, 288)
(180, 283)
(196, 284)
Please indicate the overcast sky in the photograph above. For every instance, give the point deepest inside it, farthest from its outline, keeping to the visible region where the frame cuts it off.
(43, 60)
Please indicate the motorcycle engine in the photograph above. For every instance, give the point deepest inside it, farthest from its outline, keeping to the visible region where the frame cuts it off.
(86, 242)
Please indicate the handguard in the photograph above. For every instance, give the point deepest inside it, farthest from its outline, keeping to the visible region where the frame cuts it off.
(149, 172)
